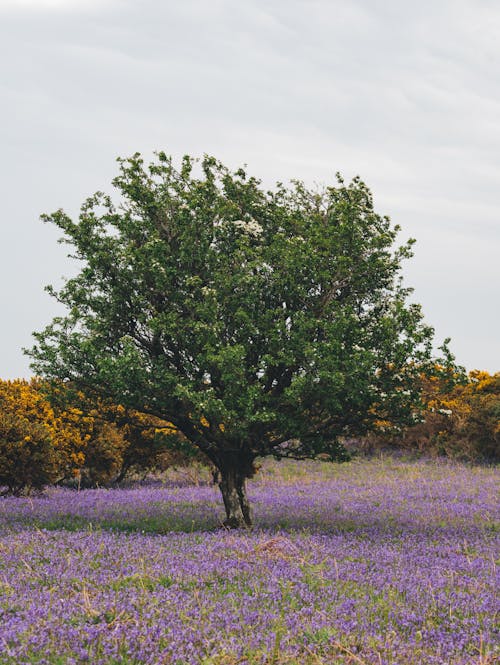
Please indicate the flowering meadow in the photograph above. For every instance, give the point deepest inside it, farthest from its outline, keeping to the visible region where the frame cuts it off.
(381, 561)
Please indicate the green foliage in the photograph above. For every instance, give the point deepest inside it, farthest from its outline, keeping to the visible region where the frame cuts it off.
(257, 322)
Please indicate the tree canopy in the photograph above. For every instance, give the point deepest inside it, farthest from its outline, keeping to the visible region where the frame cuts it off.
(257, 322)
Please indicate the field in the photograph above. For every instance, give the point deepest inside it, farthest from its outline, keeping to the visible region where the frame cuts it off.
(380, 561)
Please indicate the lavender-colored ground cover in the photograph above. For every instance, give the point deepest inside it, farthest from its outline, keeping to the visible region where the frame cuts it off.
(368, 562)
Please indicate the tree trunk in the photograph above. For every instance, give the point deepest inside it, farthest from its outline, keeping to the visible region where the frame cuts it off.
(121, 475)
(234, 470)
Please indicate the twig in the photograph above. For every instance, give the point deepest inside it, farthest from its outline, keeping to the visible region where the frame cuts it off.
(349, 652)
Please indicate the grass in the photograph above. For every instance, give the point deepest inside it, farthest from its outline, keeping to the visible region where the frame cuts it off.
(380, 561)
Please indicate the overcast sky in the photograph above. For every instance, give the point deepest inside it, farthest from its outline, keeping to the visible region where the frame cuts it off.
(405, 94)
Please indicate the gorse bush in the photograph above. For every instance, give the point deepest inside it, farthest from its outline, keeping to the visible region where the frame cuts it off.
(38, 445)
(473, 426)
(27, 456)
(50, 433)
(461, 420)
(124, 441)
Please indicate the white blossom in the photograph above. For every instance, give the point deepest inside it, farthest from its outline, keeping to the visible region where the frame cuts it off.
(251, 227)
(445, 412)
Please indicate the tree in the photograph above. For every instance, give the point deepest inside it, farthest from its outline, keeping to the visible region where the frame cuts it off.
(256, 322)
